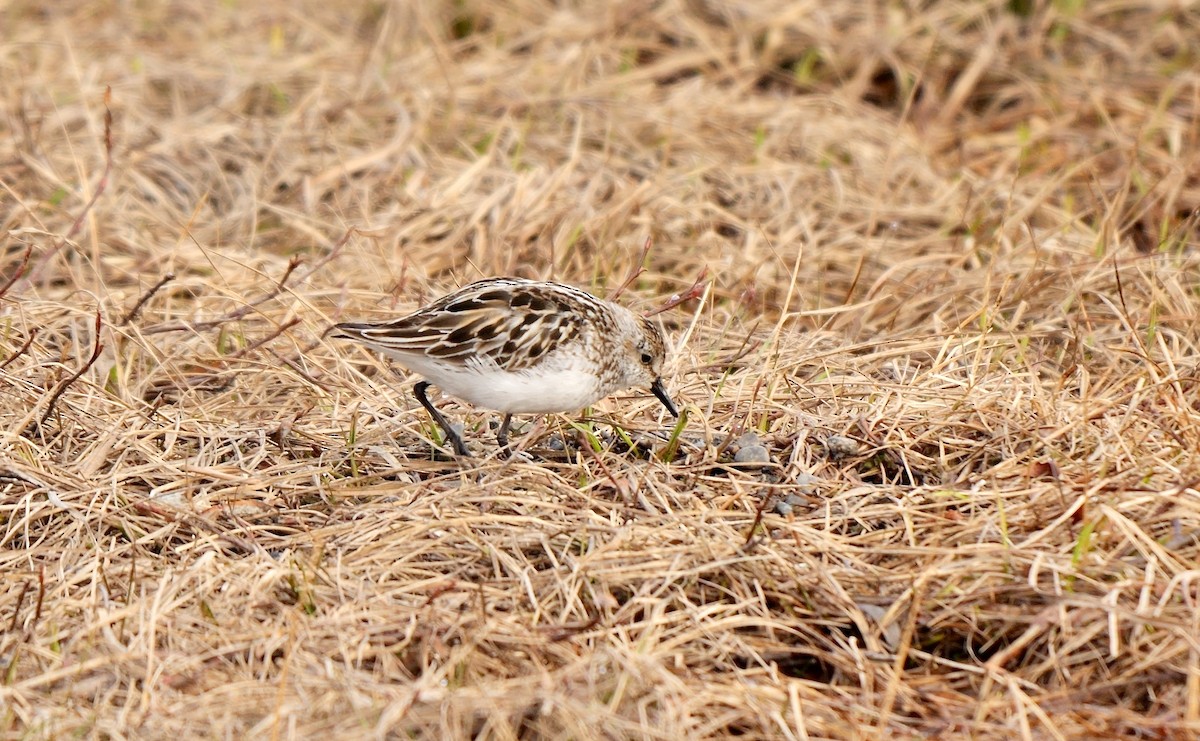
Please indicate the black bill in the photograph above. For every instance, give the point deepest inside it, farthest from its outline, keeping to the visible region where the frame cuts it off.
(661, 392)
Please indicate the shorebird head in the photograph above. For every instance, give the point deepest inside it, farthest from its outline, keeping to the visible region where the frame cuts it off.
(646, 351)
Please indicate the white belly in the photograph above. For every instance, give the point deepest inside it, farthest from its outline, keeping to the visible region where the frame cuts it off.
(561, 390)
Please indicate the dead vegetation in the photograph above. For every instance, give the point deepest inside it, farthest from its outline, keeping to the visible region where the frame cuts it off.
(954, 292)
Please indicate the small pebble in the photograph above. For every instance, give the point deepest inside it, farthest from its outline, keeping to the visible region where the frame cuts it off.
(788, 504)
(752, 454)
(805, 481)
(840, 446)
(746, 440)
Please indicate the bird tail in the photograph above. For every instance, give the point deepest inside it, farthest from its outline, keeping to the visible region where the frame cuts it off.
(351, 330)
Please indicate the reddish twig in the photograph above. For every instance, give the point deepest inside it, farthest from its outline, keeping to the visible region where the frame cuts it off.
(621, 490)
(147, 507)
(100, 188)
(555, 633)
(695, 291)
(37, 614)
(638, 269)
(132, 313)
(293, 263)
(748, 346)
(96, 348)
(758, 518)
(20, 352)
(294, 365)
(245, 309)
(12, 627)
(255, 345)
(18, 272)
(439, 591)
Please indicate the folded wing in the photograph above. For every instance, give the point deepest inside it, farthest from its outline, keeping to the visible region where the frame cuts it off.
(490, 322)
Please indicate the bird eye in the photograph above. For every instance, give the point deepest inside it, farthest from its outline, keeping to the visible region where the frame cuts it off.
(647, 358)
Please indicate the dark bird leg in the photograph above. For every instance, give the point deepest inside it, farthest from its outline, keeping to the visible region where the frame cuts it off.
(451, 435)
(502, 434)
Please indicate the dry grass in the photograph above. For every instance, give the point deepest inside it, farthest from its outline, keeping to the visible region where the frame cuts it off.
(963, 236)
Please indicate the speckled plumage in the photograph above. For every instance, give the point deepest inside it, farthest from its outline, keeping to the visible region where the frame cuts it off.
(521, 347)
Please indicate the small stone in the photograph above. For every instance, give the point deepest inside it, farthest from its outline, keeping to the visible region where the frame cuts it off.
(783, 507)
(695, 442)
(805, 481)
(840, 446)
(753, 454)
(556, 443)
(747, 440)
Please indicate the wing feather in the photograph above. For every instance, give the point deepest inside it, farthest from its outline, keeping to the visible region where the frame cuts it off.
(507, 323)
